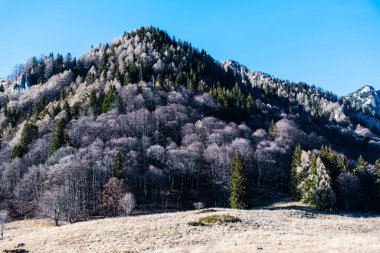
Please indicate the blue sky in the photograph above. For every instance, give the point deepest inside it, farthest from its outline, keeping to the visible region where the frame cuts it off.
(334, 44)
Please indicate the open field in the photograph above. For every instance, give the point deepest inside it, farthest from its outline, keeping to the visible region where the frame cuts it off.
(286, 227)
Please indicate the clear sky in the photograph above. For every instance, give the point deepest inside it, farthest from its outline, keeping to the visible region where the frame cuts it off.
(334, 44)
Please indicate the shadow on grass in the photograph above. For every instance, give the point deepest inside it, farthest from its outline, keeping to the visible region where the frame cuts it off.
(314, 211)
(269, 203)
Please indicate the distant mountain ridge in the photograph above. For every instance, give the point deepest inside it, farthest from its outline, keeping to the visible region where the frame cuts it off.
(366, 99)
(361, 106)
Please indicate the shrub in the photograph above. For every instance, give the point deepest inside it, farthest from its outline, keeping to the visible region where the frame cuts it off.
(214, 219)
(198, 205)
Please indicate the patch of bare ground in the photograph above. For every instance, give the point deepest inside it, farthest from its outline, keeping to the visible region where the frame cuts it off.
(284, 227)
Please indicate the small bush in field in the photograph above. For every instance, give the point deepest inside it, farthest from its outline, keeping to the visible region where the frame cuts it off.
(198, 205)
(214, 219)
(195, 223)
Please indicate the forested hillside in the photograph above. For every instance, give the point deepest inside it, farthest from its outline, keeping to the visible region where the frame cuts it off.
(151, 120)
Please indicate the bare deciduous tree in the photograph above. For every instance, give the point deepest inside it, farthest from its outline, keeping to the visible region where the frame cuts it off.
(113, 192)
(3, 220)
(127, 203)
(53, 202)
(199, 205)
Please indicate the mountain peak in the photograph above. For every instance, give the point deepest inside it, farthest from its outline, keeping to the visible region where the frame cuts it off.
(366, 88)
(236, 67)
(366, 99)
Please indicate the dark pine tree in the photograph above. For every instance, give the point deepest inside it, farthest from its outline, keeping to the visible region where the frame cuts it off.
(272, 130)
(377, 184)
(28, 133)
(295, 177)
(238, 185)
(57, 138)
(117, 166)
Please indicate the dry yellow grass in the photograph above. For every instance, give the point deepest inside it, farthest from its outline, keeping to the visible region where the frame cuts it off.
(288, 227)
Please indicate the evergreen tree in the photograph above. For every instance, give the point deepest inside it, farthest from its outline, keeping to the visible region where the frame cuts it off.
(190, 85)
(90, 78)
(56, 110)
(94, 102)
(249, 102)
(342, 163)
(93, 99)
(237, 96)
(201, 86)
(116, 72)
(58, 64)
(377, 166)
(377, 182)
(238, 187)
(295, 177)
(108, 100)
(159, 81)
(66, 108)
(131, 74)
(119, 104)
(329, 160)
(361, 165)
(317, 188)
(17, 151)
(103, 62)
(272, 130)
(311, 181)
(66, 140)
(180, 79)
(117, 166)
(57, 138)
(141, 74)
(28, 133)
(76, 109)
(127, 79)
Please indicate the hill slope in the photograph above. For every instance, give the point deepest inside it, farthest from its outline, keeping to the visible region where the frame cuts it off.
(166, 120)
(288, 227)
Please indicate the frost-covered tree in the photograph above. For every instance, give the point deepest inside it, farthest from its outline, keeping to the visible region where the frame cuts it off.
(127, 203)
(28, 192)
(316, 187)
(3, 220)
(324, 196)
(53, 203)
(348, 191)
